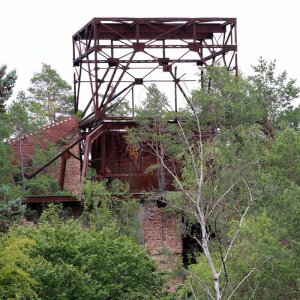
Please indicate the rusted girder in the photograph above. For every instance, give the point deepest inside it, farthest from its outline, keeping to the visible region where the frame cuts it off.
(110, 52)
(115, 58)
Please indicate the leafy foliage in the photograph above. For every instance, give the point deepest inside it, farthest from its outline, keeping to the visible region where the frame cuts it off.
(42, 185)
(285, 155)
(274, 93)
(122, 109)
(7, 169)
(256, 259)
(247, 133)
(20, 124)
(102, 206)
(72, 262)
(50, 95)
(11, 212)
(246, 150)
(15, 281)
(20, 121)
(11, 207)
(231, 160)
(43, 154)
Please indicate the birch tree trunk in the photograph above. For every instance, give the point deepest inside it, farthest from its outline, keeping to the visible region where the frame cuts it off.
(22, 162)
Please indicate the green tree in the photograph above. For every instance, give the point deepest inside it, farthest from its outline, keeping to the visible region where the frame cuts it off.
(6, 154)
(259, 258)
(20, 124)
(280, 200)
(11, 207)
(220, 143)
(290, 118)
(152, 117)
(212, 178)
(50, 96)
(7, 82)
(284, 158)
(75, 262)
(102, 207)
(4, 126)
(275, 94)
(122, 108)
(15, 281)
(42, 185)
(6, 164)
(239, 164)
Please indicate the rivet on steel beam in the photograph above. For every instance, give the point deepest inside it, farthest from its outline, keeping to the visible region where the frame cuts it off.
(139, 81)
(163, 61)
(138, 47)
(97, 48)
(112, 62)
(194, 46)
(167, 68)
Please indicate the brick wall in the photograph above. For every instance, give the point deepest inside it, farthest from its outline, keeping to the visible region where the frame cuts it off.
(62, 133)
(162, 237)
(72, 176)
(161, 228)
(51, 133)
(72, 173)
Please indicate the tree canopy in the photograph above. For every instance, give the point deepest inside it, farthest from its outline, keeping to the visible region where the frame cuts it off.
(50, 96)
(233, 156)
(64, 260)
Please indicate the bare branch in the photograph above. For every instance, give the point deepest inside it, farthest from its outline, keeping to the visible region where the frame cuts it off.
(253, 293)
(173, 175)
(196, 239)
(239, 225)
(192, 289)
(220, 199)
(190, 151)
(204, 286)
(247, 276)
(178, 207)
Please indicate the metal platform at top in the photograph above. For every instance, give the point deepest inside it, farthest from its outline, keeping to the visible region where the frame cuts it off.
(115, 58)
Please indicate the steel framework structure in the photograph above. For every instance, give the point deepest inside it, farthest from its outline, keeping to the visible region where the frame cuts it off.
(115, 58)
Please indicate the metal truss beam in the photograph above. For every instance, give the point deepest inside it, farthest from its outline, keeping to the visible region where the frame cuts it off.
(109, 52)
(114, 58)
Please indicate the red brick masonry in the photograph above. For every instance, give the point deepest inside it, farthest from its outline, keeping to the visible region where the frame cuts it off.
(60, 133)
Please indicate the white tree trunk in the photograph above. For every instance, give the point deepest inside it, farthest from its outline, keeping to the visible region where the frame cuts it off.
(22, 162)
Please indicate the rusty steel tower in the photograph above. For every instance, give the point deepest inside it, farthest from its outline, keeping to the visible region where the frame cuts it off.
(113, 56)
(116, 58)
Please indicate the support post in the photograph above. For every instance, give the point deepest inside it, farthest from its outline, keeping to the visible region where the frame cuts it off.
(63, 165)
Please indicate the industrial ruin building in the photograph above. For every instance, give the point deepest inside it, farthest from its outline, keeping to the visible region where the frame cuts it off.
(116, 59)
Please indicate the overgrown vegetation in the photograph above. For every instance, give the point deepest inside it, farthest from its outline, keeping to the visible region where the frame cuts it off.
(66, 260)
(102, 206)
(238, 154)
(233, 154)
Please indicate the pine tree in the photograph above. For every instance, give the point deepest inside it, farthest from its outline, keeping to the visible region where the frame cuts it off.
(7, 82)
(50, 96)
